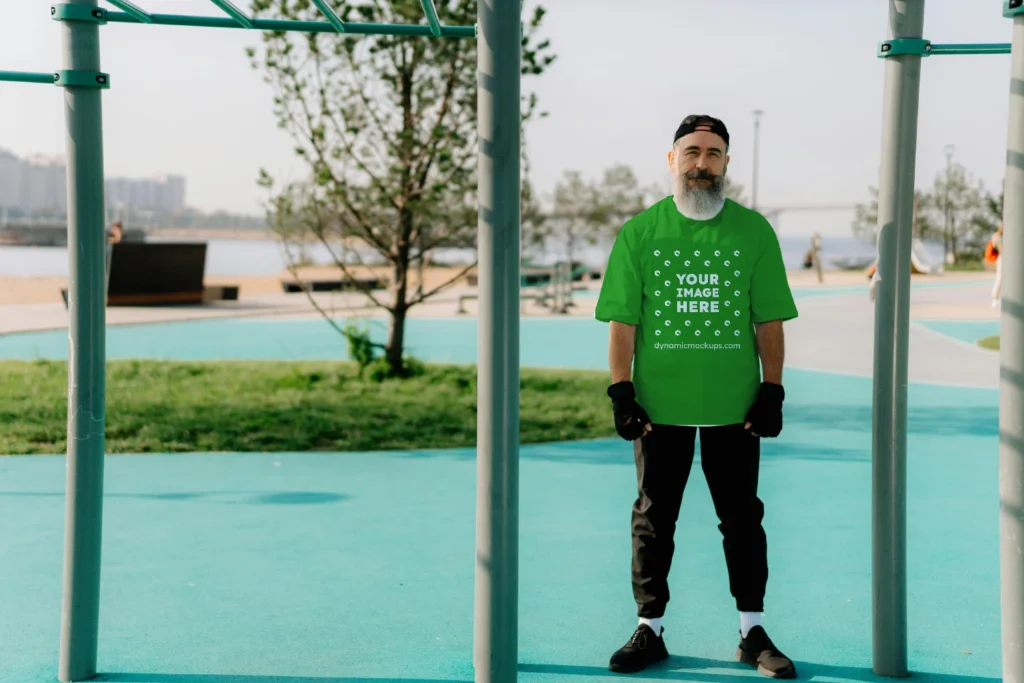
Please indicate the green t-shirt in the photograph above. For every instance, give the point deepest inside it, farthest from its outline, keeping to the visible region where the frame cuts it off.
(694, 290)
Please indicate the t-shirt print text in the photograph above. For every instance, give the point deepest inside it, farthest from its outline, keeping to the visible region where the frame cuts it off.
(697, 295)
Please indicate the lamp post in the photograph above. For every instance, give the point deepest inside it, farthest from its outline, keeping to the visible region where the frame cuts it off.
(757, 144)
(950, 256)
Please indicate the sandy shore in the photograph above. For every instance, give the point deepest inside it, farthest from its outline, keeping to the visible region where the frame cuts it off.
(46, 290)
(35, 303)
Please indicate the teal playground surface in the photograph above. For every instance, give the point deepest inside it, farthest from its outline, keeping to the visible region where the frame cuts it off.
(358, 567)
(302, 568)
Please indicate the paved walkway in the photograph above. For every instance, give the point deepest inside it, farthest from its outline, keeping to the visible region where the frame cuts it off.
(836, 334)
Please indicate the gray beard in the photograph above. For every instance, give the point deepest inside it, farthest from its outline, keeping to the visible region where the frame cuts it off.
(698, 203)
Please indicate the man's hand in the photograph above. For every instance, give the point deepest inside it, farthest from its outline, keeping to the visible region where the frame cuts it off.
(765, 417)
(631, 420)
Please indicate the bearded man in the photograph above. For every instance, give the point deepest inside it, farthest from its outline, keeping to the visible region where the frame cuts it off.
(695, 294)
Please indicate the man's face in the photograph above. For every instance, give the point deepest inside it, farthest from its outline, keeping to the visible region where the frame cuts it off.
(698, 163)
(700, 157)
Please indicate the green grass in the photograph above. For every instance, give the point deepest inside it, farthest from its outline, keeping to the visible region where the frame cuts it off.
(967, 265)
(283, 406)
(990, 343)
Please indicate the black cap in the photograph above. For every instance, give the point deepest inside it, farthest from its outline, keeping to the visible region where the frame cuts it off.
(696, 122)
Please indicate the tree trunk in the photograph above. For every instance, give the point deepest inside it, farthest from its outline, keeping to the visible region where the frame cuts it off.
(396, 340)
(400, 306)
(403, 246)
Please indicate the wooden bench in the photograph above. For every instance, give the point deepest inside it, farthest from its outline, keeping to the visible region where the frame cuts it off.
(353, 285)
(159, 274)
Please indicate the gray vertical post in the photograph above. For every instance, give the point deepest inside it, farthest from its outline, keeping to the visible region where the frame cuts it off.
(86, 355)
(496, 597)
(1011, 382)
(892, 323)
(757, 151)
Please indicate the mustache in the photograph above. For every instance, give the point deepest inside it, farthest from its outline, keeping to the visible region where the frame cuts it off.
(700, 174)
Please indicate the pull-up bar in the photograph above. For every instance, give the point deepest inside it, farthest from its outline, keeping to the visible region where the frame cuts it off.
(238, 15)
(924, 48)
(133, 14)
(25, 77)
(499, 56)
(903, 54)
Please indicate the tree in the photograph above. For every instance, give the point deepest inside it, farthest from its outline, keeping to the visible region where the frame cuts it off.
(734, 191)
(574, 213)
(387, 128)
(973, 214)
(584, 211)
(865, 221)
(965, 231)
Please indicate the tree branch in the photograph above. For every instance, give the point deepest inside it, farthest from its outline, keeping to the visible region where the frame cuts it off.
(446, 283)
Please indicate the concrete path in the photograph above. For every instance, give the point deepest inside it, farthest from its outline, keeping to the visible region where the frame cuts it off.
(836, 334)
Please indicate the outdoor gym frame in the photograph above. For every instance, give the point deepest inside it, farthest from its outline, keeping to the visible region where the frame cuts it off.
(498, 32)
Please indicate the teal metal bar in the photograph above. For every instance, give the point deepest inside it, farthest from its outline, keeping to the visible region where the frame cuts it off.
(496, 579)
(83, 527)
(238, 15)
(900, 106)
(1011, 370)
(26, 77)
(301, 26)
(971, 49)
(331, 15)
(431, 12)
(137, 12)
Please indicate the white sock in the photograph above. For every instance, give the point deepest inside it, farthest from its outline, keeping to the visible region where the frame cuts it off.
(655, 624)
(749, 620)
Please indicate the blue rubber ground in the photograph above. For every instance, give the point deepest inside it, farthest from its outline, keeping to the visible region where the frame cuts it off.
(303, 568)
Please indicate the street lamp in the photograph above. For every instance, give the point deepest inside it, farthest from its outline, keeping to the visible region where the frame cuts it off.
(950, 256)
(757, 136)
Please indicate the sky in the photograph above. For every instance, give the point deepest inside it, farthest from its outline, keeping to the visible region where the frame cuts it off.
(186, 100)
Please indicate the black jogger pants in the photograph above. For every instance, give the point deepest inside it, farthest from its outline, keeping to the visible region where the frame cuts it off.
(730, 457)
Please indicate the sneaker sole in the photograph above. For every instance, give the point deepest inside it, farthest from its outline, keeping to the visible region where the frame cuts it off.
(744, 658)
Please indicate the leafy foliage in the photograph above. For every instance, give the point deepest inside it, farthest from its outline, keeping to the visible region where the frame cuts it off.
(973, 213)
(387, 127)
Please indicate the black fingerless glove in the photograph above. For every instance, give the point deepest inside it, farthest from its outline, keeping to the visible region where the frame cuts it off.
(630, 417)
(765, 416)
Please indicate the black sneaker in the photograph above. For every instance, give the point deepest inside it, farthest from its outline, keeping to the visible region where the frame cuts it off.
(643, 649)
(758, 650)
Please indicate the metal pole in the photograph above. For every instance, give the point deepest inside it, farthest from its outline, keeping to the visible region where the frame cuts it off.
(86, 357)
(950, 256)
(1011, 383)
(496, 597)
(757, 149)
(892, 322)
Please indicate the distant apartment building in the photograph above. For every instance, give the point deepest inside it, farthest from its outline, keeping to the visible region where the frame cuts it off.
(39, 184)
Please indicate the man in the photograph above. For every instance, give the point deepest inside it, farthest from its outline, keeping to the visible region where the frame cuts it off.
(695, 293)
(997, 251)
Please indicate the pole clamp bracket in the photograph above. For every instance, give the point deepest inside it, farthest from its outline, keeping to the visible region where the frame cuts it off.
(1013, 8)
(905, 46)
(81, 78)
(66, 11)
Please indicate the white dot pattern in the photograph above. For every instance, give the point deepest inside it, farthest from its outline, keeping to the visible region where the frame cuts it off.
(713, 324)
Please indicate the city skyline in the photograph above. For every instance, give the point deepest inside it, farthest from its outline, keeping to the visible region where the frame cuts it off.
(38, 183)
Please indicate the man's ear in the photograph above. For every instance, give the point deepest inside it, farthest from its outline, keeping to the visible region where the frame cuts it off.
(671, 158)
